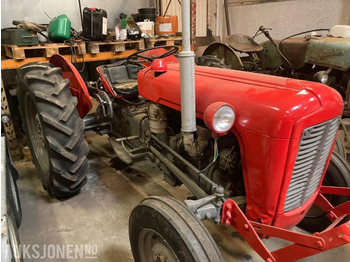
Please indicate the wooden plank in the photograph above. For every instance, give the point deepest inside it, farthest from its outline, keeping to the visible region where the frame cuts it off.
(151, 42)
(95, 47)
(47, 50)
(12, 63)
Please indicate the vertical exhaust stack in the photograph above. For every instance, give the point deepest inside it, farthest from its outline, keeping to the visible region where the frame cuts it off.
(188, 98)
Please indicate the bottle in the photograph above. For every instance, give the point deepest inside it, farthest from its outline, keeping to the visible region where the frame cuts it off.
(117, 33)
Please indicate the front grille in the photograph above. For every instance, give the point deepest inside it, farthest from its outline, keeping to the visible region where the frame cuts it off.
(315, 145)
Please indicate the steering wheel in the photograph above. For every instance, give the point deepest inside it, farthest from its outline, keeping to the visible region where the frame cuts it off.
(140, 57)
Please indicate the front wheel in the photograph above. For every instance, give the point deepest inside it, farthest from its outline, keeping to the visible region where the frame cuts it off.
(163, 229)
(53, 128)
(337, 174)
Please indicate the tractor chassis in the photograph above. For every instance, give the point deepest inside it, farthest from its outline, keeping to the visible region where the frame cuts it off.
(228, 212)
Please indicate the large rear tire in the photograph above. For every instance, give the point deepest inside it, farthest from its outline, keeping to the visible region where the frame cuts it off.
(337, 174)
(53, 128)
(163, 229)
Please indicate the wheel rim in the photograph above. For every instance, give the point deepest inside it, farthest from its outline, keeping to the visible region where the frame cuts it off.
(36, 134)
(154, 248)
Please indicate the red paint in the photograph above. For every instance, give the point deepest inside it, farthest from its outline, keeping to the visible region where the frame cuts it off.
(105, 83)
(159, 65)
(76, 83)
(303, 245)
(271, 113)
(150, 53)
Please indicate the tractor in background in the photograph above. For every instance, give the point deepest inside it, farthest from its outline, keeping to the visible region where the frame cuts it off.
(308, 55)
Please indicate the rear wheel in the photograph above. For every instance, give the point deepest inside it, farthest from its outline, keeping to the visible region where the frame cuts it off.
(53, 128)
(163, 229)
(337, 174)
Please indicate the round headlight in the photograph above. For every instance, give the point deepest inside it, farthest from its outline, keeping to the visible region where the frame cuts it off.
(324, 78)
(321, 76)
(223, 119)
(219, 117)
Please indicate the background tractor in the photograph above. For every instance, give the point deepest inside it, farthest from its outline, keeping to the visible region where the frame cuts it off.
(308, 55)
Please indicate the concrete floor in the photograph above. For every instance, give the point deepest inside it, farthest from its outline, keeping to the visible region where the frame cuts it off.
(99, 214)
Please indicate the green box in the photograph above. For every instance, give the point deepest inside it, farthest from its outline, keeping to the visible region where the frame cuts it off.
(20, 37)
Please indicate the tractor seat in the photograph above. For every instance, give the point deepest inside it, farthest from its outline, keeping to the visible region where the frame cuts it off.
(123, 77)
(243, 43)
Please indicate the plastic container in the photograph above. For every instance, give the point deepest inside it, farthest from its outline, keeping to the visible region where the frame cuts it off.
(41, 38)
(94, 24)
(340, 31)
(146, 14)
(166, 25)
(124, 18)
(133, 30)
(59, 28)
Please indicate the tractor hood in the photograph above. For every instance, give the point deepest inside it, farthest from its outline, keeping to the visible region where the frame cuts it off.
(329, 52)
(323, 51)
(265, 104)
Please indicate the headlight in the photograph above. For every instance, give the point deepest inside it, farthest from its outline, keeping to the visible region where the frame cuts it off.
(219, 117)
(321, 76)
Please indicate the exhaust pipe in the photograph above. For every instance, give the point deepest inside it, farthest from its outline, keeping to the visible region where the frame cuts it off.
(188, 98)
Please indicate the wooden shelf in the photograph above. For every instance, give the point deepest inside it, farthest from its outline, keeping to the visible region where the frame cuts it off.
(13, 64)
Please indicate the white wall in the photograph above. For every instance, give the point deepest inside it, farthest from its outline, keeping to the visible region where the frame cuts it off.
(201, 14)
(33, 10)
(287, 17)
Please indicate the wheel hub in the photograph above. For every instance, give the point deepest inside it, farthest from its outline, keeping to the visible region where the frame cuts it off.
(154, 248)
(39, 130)
(36, 134)
(162, 253)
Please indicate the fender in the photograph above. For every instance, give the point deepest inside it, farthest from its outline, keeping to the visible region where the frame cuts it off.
(76, 83)
(271, 114)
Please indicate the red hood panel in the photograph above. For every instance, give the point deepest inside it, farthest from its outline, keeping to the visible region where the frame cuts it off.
(265, 104)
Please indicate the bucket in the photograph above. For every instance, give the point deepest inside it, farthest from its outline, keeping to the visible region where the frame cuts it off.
(146, 14)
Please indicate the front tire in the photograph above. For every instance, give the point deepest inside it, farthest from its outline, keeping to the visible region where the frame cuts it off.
(53, 128)
(163, 229)
(337, 174)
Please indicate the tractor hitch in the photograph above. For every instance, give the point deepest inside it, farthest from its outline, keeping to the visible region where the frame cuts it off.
(304, 245)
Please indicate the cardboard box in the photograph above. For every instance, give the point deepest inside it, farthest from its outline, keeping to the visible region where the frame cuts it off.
(147, 27)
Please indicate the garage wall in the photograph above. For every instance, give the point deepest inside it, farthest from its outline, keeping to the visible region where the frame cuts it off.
(286, 18)
(201, 14)
(33, 10)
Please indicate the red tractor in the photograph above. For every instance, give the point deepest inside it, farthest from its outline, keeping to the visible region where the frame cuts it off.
(253, 149)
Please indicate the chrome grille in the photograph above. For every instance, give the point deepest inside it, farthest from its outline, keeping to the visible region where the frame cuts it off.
(315, 145)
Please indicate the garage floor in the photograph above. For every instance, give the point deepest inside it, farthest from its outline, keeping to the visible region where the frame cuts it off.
(99, 215)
